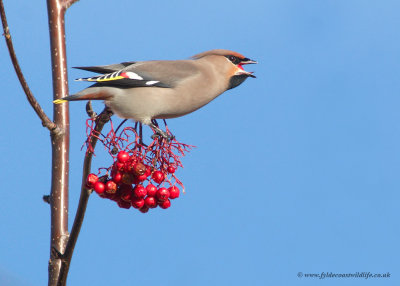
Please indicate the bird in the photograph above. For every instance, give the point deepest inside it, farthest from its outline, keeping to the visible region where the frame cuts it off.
(162, 89)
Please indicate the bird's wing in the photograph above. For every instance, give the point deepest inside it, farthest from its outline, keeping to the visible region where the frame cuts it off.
(106, 69)
(165, 74)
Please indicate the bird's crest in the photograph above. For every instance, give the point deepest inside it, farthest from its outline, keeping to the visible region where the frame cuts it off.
(218, 52)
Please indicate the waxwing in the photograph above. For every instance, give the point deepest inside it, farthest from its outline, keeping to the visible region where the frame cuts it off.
(149, 90)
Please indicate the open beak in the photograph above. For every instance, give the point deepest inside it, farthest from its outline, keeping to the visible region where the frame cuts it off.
(246, 61)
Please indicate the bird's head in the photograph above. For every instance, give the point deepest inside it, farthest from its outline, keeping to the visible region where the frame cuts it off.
(234, 62)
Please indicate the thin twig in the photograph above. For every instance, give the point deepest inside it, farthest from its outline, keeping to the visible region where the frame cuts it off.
(119, 126)
(101, 120)
(46, 122)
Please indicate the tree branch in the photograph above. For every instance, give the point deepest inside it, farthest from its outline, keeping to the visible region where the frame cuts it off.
(59, 141)
(46, 122)
(101, 120)
(68, 3)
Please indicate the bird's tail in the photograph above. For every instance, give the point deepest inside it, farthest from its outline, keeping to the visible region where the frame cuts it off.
(67, 98)
(87, 94)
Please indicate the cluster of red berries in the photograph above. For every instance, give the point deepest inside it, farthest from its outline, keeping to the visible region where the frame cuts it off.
(126, 184)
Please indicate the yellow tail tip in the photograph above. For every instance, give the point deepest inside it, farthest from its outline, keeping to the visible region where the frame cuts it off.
(58, 101)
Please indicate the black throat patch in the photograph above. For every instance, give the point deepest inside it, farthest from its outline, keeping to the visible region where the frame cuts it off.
(237, 80)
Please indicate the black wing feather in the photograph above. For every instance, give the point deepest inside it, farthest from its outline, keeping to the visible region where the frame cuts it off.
(106, 69)
(128, 83)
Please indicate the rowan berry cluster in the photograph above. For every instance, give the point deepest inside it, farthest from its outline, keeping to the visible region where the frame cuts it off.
(141, 176)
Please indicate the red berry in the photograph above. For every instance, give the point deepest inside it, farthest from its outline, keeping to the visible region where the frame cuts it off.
(162, 194)
(158, 177)
(150, 202)
(151, 190)
(119, 166)
(138, 169)
(128, 167)
(91, 180)
(142, 177)
(173, 192)
(140, 191)
(111, 187)
(144, 209)
(99, 187)
(135, 180)
(117, 178)
(123, 204)
(122, 156)
(137, 203)
(105, 195)
(165, 204)
(126, 192)
(171, 169)
(148, 171)
(127, 178)
(115, 197)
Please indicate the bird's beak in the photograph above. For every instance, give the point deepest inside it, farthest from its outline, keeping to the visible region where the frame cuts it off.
(245, 61)
(250, 74)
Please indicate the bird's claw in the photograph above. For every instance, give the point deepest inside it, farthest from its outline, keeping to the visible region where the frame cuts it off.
(158, 133)
(162, 134)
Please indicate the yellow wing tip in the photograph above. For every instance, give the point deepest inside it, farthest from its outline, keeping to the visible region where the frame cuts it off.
(58, 101)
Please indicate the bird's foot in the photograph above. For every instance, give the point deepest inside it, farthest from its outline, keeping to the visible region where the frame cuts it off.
(160, 133)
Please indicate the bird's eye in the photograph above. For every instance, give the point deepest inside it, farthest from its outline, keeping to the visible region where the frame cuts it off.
(235, 60)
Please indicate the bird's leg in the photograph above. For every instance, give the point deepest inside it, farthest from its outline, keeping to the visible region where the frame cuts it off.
(158, 131)
(154, 122)
(141, 135)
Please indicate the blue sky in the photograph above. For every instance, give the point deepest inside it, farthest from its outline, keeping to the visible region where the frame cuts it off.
(295, 171)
